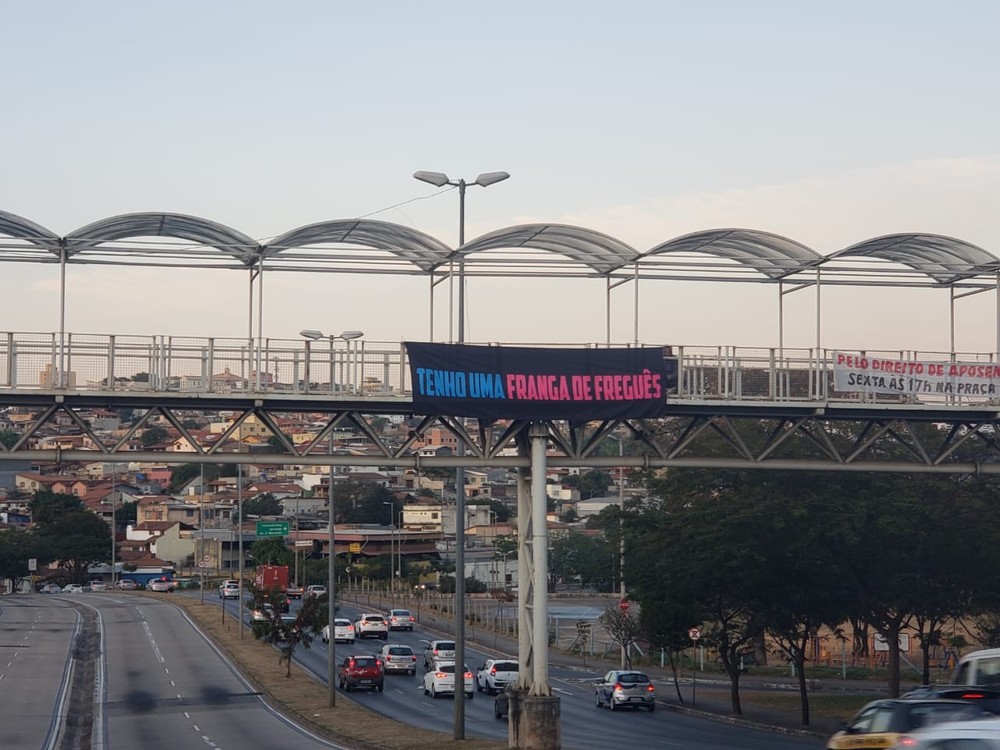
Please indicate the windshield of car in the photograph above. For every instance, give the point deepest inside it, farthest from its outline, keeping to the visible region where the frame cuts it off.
(505, 666)
(447, 668)
(923, 715)
(342, 623)
(400, 650)
(445, 646)
(374, 618)
(400, 613)
(364, 661)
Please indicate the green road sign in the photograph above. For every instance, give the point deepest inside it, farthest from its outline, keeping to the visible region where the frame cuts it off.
(272, 528)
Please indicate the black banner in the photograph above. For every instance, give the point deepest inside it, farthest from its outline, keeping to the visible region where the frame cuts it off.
(500, 382)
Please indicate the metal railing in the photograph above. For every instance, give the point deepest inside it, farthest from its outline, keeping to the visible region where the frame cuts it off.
(42, 362)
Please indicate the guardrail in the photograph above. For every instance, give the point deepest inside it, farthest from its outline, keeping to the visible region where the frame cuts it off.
(44, 362)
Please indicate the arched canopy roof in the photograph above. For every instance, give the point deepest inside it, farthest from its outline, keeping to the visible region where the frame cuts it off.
(770, 254)
(422, 250)
(944, 259)
(177, 226)
(600, 252)
(36, 235)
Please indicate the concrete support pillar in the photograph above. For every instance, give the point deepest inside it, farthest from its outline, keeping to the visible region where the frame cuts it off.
(540, 557)
(534, 722)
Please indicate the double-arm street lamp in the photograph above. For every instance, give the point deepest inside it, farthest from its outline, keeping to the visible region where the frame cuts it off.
(313, 335)
(439, 179)
(331, 661)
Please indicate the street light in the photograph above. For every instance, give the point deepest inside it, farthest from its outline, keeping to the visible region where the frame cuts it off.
(392, 560)
(313, 335)
(439, 179)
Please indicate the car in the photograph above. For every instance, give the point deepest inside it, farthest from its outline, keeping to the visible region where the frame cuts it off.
(72, 588)
(371, 626)
(441, 681)
(625, 687)
(883, 722)
(988, 698)
(262, 614)
(398, 657)
(343, 631)
(501, 704)
(978, 734)
(361, 672)
(294, 592)
(51, 588)
(127, 584)
(315, 590)
(96, 586)
(400, 619)
(229, 591)
(161, 585)
(496, 674)
(437, 651)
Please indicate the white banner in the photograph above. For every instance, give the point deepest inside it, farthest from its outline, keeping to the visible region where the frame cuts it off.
(866, 374)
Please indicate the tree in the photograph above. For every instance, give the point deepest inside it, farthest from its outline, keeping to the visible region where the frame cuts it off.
(78, 539)
(153, 436)
(588, 560)
(362, 502)
(264, 504)
(623, 628)
(47, 506)
(16, 547)
(272, 550)
(8, 438)
(181, 475)
(286, 633)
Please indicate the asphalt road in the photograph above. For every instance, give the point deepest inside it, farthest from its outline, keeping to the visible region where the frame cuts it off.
(584, 727)
(37, 636)
(151, 680)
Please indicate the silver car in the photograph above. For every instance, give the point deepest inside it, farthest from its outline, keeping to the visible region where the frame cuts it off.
(438, 651)
(398, 657)
(620, 688)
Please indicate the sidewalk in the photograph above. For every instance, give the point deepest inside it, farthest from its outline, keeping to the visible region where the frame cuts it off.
(712, 691)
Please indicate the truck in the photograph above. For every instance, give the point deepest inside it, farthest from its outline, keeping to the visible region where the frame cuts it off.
(272, 578)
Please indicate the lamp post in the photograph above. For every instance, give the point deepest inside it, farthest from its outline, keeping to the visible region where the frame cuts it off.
(439, 179)
(621, 534)
(392, 560)
(331, 653)
(312, 334)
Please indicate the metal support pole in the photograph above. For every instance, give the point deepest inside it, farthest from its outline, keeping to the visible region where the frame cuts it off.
(540, 557)
(201, 533)
(524, 576)
(621, 539)
(459, 733)
(331, 652)
(239, 544)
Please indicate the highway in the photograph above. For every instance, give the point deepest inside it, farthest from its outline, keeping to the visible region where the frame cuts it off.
(584, 727)
(143, 676)
(149, 680)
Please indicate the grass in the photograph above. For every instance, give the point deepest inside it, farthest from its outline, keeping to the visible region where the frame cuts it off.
(305, 700)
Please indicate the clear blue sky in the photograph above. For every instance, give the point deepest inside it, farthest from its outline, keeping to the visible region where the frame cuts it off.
(829, 122)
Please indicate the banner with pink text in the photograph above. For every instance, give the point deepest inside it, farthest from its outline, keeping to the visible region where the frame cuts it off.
(509, 382)
(854, 372)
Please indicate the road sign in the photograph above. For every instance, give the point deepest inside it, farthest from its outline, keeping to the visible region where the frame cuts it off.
(32, 563)
(201, 565)
(272, 528)
(694, 633)
(303, 543)
(623, 605)
(354, 548)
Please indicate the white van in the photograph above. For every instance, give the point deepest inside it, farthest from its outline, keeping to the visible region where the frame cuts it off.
(979, 669)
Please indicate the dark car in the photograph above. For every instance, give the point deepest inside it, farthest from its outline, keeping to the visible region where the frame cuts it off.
(501, 704)
(881, 723)
(988, 698)
(363, 672)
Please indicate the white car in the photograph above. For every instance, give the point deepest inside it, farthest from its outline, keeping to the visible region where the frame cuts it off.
(343, 631)
(72, 588)
(441, 681)
(977, 734)
(371, 626)
(229, 591)
(315, 590)
(495, 675)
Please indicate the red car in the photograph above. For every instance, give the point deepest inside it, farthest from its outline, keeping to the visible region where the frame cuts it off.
(363, 672)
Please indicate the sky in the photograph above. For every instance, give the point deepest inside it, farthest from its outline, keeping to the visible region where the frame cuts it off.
(826, 122)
